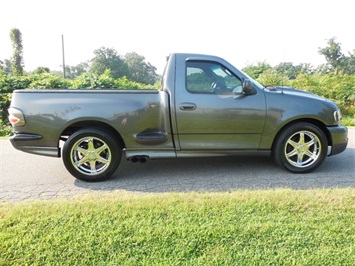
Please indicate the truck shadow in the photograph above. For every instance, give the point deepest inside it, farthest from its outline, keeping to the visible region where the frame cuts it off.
(223, 174)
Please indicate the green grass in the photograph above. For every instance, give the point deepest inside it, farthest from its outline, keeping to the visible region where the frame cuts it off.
(348, 120)
(271, 227)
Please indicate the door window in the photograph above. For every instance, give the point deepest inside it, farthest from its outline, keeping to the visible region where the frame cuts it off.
(211, 77)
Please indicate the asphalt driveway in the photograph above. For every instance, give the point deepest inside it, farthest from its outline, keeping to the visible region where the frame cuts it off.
(24, 176)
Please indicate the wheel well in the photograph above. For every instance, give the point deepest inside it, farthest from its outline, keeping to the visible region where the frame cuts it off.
(315, 122)
(91, 124)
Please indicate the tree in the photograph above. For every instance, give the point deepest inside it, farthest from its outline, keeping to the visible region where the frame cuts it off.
(333, 55)
(41, 70)
(5, 66)
(336, 60)
(322, 69)
(139, 70)
(107, 58)
(256, 71)
(72, 72)
(270, 77)
(17, 56)
(348, 63)
(291, 71)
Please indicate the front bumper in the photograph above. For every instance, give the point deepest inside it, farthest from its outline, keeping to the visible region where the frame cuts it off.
(339, 139)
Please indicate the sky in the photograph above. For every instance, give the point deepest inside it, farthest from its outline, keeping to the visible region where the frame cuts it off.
(242, 32)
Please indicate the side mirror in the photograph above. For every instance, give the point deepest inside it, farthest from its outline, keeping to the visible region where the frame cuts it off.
(247, 87)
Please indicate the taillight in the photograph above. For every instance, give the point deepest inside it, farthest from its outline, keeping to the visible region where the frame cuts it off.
(16, 117)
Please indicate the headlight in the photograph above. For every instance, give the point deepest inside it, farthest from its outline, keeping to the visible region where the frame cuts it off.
(337, 116)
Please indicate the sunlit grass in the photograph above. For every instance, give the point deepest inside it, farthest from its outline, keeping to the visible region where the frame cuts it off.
(348, 121)
(272, 227)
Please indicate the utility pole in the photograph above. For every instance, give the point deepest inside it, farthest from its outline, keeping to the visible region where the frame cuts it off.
(63, 56)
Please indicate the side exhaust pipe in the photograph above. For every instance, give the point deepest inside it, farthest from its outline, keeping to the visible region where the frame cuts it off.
(141, 159)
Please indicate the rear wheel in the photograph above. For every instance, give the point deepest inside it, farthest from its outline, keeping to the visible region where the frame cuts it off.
(91, 154)
(301, 148)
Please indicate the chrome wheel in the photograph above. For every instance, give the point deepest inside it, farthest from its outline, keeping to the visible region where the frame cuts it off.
(303, 149)
(90, 155)
(300, 147)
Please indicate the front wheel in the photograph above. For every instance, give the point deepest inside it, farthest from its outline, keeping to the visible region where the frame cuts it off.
(301, 148)
(91, 155)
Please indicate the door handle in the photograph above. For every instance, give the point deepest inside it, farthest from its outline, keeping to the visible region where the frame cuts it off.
(187, 106)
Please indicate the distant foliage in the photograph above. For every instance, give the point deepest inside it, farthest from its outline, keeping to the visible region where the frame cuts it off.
(256, 71)
(334, 80)
(40, 70)
(17, 56)
(94, 81)
(5, 66)
(106, 80)
(292, 71)
(271, 77)
(8, 83)
(139, 70)
(132, 66)
(339, 88)
(45, 80)
(108, 58)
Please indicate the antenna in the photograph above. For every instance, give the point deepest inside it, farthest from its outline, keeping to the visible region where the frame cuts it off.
(283, 66)
(63, 56)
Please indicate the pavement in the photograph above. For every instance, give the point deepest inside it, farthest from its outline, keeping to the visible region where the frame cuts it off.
(31, 177)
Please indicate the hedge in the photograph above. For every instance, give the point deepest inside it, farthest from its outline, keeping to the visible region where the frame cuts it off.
(339, 88)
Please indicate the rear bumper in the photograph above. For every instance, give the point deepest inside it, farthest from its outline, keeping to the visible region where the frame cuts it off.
(339, 137)
(27, 143)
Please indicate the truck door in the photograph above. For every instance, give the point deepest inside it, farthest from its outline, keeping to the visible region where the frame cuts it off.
(212, 113)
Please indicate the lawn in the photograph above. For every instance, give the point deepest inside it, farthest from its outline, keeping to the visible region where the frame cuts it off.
(251, 227)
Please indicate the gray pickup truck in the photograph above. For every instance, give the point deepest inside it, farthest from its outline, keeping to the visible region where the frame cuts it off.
(205, 107)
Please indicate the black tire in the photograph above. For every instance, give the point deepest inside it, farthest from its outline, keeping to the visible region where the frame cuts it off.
(91, 154)
(301, 148)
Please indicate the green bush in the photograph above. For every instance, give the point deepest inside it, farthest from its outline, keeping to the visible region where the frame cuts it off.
(9, 83)
(93, 81)
(339, 88)
(270, 77)
(307, 82)
(106, 81)
(46, 81)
